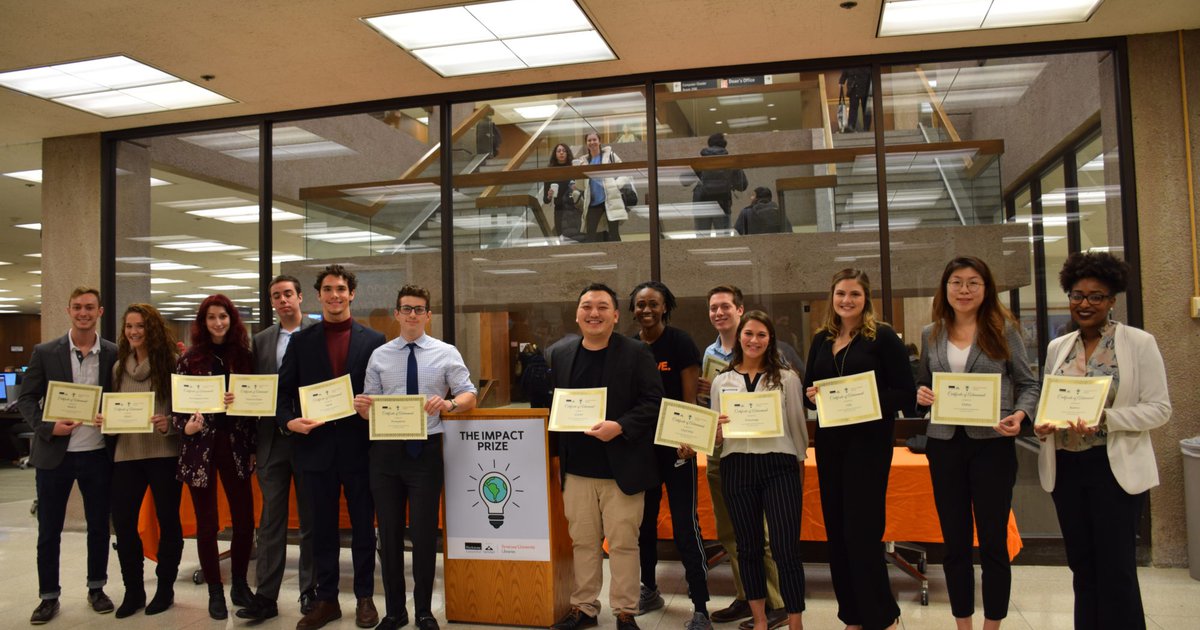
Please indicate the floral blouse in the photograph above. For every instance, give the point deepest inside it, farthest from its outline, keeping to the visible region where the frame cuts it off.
(196, 466)
(1102, 363)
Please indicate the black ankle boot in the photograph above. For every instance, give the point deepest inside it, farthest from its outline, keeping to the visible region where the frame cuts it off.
(164, 597)
(135, 599)
(216, 602)
(239, 593)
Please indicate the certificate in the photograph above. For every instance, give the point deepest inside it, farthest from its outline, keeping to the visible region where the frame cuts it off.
(965, 399)
(397, 418)
(253, 394)
(328, 401)
(205, 394)
(128, 413)
(753, 414)
(712, 367)
(1068, 398)
(681, 424)
(69, 402)
(577, 409)
(847, 400)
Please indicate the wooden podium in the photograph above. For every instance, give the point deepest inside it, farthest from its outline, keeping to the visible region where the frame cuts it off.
(497, 590)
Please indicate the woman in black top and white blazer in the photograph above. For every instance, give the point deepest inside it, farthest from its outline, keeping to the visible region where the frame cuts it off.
(853, 462)
(974, 468)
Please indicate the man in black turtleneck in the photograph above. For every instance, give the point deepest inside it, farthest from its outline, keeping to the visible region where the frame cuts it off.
(332, 456)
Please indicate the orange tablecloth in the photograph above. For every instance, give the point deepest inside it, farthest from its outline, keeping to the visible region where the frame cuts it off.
(911, 514)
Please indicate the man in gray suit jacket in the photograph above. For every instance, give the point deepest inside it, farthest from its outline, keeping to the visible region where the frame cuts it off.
(275, 471)
(68, 452)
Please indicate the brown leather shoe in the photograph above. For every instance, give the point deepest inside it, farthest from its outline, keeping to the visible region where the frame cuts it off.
(321, 614)
(365, 615)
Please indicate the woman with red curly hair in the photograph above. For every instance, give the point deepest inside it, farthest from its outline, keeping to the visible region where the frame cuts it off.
(216, 443)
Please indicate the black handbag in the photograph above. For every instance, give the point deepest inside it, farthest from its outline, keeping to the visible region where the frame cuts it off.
(629, 196)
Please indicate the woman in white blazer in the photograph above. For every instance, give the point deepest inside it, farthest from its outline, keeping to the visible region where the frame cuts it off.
(1099, 476)
(602, 195)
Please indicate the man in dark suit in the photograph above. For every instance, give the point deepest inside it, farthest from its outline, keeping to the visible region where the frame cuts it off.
(332, 456)
(275, 467)
(68, 452)
(606, 469)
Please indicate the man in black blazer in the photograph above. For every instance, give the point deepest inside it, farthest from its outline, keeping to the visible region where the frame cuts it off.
(275, 467)
(332, 456)
(606, 469)
(68, 452)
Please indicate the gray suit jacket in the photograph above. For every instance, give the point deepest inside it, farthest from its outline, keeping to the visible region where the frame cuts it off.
(1016, 378)
(263, 347)
(51, 361)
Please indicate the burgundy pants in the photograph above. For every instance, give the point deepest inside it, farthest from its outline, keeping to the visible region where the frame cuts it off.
(241, 510)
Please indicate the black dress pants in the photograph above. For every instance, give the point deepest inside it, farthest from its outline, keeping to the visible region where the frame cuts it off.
(680, 481)
(93, 471)
(853, 464)
(129, 482)
(972, 488)
(323, 489)
(1099, 522)
(409, 487)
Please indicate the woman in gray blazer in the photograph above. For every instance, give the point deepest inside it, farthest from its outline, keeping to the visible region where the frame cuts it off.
(974, 468)
(1099, 475)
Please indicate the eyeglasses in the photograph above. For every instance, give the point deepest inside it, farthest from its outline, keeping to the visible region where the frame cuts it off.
(957, 285)
(1095, 299)
(409, 310)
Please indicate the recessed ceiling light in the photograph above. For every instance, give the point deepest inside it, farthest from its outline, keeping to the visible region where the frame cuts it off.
(243, 214)
(911, 17)
(29, 226)
(244, 275)
(226, 287)
(4, 263)
(496, 36)
(536, 112)
(164, 281)
(154, 181)
(171, 266)
(34, 175)
(278, 258)
(201, 247)
(111, 86)
(34, 255)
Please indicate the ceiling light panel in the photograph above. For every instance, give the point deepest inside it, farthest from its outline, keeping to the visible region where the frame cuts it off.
(496, 36)
(912, 17)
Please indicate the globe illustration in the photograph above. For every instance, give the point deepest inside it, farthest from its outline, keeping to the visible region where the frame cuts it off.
(495, 490)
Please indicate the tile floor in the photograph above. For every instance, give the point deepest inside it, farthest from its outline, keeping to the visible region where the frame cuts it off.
(1041, 597)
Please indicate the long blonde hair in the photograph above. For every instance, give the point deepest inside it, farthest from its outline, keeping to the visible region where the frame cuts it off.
(832, 325)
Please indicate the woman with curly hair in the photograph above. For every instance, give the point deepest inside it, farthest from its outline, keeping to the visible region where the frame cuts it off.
(974, 468)
(763, 478)
(568, 219)
(217, 443)
(853, 461)
(146, 354)
(1099, 475)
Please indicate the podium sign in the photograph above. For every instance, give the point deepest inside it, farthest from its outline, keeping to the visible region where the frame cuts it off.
(496, 506)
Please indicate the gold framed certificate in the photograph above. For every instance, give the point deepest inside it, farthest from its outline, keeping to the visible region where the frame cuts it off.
(752, 414)
(328, 401)
(191, 394)
(71, 402)
(397, 418)
(712, 367)
(965, 399)
(253, 394)
(681, 424)
(847, 400)
(577, 409)
(128, 413)
(1065, 399)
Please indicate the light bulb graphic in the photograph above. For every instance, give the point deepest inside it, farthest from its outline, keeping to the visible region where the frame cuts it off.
(496, 490)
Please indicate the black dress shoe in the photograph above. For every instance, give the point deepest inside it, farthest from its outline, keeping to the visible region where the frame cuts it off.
(216, 602)
(573, 620)
(99, 601)
(240, 593)
(308, 601)
(393, 622)
(739, 609)
(44, 612)
(427, 623)
(260, 608)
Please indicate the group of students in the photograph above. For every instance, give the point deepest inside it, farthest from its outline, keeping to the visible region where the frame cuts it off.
(612, 475)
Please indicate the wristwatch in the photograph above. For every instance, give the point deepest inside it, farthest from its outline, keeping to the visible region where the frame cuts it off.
(453, 405)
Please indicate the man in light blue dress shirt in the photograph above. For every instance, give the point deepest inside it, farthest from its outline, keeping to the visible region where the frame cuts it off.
(408, 473)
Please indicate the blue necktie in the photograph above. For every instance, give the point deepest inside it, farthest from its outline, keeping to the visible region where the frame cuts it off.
(413, 447)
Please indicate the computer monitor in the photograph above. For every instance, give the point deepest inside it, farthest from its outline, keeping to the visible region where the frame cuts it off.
(3, 391)
(10, 378)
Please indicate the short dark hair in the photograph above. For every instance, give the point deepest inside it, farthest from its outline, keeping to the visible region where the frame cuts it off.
(668, 297)
(717, 140)
(283, 277)
(339, 271)
(412, 290)
(762, 193)
(738, 299)
(1111, 271)
(599, 286)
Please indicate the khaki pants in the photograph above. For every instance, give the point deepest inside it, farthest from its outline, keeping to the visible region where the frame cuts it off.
(729, 543)
(597, 509)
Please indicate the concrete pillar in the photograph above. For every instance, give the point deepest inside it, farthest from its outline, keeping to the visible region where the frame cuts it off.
(70, 225)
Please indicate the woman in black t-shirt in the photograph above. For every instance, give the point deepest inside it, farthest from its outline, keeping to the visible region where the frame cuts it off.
(568, 219)
(678, 361)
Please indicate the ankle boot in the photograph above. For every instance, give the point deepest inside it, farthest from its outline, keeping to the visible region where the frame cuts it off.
(135, 599)
(239, 593)
(216, 602)
(164, 597)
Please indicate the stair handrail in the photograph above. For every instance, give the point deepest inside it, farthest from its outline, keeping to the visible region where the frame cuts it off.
(525, 151)
(945, 180)
(940, 113)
